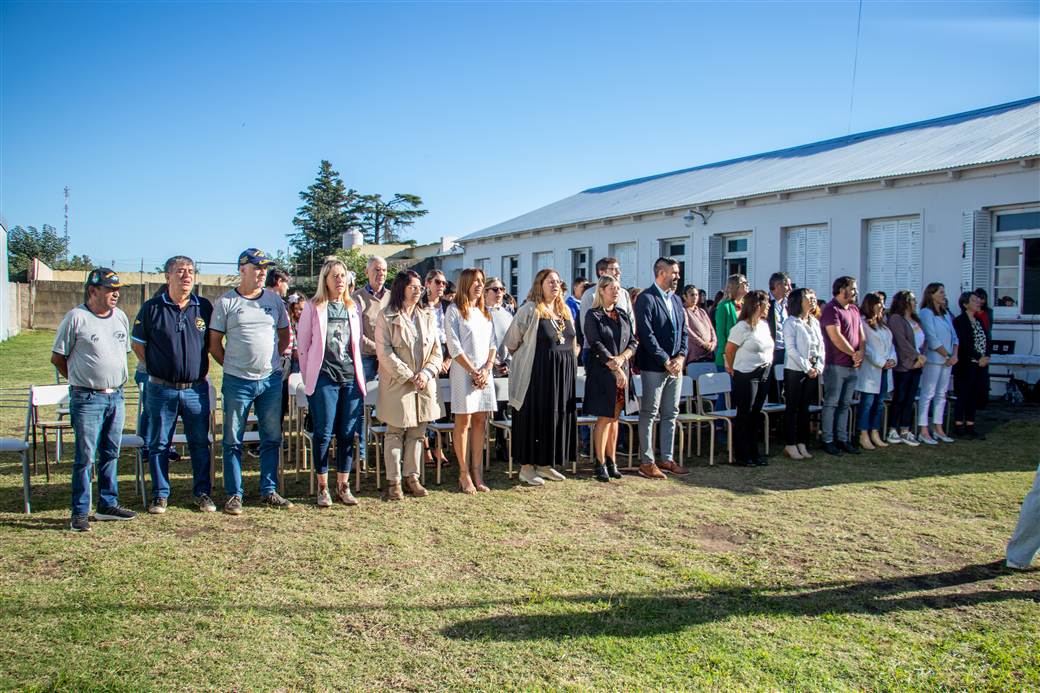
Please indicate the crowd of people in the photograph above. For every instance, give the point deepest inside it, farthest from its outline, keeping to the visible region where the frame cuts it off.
(403, 338)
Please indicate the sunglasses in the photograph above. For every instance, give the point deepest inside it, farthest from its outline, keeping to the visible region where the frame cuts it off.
(496, 289)
(440, 282)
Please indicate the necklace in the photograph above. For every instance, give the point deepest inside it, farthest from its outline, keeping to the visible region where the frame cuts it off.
(559, 325)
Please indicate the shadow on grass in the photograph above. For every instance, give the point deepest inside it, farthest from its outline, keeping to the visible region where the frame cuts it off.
(642, 615)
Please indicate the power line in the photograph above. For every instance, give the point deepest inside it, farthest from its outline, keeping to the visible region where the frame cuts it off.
(855, 63)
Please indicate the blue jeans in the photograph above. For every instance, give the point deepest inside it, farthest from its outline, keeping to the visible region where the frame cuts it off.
(164, 405)
(239, 396)
(97, 420)
(336, 409)
(871, 407)
(839, 383)
(1025, 542)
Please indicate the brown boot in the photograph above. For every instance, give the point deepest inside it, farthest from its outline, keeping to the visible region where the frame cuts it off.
(413, 487)
(393, 492)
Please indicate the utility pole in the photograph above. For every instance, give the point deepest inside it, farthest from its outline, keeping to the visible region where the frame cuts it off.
(66, 223)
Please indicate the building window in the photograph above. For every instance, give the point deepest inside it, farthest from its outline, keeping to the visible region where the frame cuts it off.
(511, 275)
(1016, 264)
(675, 248)
(581, 264)
(894, 255)
(807, 254)
(736, 256)
(542, 261)
(627, 255)
(484, 265)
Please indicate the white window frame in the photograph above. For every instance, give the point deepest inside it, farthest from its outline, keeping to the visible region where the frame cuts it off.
(664, 247)
(484, 265)
(728, 254)
(581, 269)
(511, 275)
(1011, 239)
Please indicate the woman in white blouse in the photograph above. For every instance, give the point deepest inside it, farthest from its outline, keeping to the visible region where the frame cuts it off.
(470, 338)
(879, 357)
(749, 356)
(803, 364)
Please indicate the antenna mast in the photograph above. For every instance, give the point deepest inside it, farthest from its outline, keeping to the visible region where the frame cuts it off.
(66, 223)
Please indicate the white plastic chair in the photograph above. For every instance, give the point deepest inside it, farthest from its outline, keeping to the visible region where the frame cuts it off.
(46, 396)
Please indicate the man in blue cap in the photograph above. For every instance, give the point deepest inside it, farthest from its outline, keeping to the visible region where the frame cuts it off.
(90, 350)
(248, 333)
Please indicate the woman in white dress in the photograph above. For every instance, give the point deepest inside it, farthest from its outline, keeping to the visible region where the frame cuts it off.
(470, 338)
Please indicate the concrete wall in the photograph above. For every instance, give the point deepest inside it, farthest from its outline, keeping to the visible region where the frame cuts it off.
(50, 301)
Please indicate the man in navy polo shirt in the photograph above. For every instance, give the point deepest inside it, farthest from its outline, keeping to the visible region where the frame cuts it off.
(170, 338)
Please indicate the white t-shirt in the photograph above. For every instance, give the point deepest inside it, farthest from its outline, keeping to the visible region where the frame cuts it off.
(250, 327)
(95, 347)
(754, 346)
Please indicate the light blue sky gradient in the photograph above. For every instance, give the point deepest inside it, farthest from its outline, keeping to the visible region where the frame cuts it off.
(191, 127)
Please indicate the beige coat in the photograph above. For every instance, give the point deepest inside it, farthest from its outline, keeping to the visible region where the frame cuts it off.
(400, 404)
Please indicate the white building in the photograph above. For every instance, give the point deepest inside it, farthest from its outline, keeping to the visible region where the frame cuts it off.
(953, 199)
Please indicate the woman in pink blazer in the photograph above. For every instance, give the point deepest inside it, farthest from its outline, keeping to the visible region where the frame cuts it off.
(329, 345)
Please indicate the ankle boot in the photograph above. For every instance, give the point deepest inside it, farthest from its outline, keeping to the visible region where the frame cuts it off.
(864, 441)
(973, 434)
(958, 430)
(612, 469)
(601, 472)
(875, 438)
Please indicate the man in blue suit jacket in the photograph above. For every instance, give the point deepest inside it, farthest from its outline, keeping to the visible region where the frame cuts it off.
(660, 320)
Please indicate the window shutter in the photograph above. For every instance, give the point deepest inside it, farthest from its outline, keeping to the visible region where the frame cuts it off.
(982, 249)
(967, 250)
(794, 255)
(750, 258)
(712, 264)
(817, 259)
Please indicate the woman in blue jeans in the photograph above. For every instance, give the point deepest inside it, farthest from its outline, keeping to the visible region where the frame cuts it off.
(329, 347)
(879, 357)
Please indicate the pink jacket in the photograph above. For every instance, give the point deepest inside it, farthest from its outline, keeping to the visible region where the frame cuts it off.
(310, 336)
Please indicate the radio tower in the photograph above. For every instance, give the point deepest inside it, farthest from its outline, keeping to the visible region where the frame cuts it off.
(66, 223)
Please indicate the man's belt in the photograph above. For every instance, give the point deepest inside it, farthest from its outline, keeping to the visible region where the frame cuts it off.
(103, 391)
(176, 386)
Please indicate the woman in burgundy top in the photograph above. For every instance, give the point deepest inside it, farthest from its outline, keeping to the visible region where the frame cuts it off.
(700, 332)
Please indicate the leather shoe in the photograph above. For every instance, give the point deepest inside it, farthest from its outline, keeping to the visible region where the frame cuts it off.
(601, 473)
(832, 449)
(612, 469)
(743, 463)
(650, 471)
(849, 448)
(760, 462)
(673, 468)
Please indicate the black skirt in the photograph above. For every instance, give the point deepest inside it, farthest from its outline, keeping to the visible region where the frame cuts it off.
(544, 426)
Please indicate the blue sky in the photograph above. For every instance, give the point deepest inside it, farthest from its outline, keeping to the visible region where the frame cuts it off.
(191, 127)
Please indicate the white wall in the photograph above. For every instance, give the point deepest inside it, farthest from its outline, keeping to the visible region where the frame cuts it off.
(938, 200)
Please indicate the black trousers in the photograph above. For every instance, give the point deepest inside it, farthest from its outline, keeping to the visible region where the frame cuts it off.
(904, 390)
(970, 386)
(749, 394)
(776, 387)
(799, 389)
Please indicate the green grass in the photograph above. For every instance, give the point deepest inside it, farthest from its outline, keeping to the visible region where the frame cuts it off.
(875, 572)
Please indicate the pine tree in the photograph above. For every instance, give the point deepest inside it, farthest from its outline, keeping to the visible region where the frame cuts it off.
(385, 221)
(328, 211)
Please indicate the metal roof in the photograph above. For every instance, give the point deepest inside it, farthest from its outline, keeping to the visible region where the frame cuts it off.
(998, 133)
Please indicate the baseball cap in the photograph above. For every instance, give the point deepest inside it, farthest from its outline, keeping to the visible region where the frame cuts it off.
(103, 276)
(254, 256)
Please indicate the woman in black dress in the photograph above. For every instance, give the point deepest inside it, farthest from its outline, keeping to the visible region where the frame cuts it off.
(541, 383)
(972, 359)
(608, 330)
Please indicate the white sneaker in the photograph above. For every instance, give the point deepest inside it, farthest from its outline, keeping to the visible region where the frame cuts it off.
(927, 441)
(943, 438)
(529, 476)
(893, 437)
(908, 439)
(549, 473)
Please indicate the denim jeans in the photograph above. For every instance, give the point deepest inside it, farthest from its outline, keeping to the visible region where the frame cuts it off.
(661, 393)
(839, 382)
(97, 421)
(904, 391)
(164, 405)
(239, 396)
(871, 407)
(1025, 542)
(336, 409)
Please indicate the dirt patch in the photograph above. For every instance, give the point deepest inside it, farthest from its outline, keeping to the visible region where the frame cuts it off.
(719, 538)
(662, 492)
(613, 518)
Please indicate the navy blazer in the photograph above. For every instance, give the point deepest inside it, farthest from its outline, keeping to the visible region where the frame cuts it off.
(659, 339)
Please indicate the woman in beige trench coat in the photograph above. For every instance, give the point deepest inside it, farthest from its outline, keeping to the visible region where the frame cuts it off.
(409, 352)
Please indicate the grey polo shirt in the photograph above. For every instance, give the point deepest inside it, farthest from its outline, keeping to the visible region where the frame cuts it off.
(95, 347)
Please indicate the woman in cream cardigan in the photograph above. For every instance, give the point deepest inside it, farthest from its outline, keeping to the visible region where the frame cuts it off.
(329, 346)
(409, 350)
(542, 379)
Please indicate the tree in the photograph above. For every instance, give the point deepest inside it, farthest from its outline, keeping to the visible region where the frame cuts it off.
(329, 210)
(384, 221)
(25, 243)
(76, 262)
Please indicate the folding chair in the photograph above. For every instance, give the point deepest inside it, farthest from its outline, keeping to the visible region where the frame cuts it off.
(582, 421)
(45, 396)
(691, 418)
(710, 385)
(19, 445)
(773, 407)
(505, 426)
(294, 382)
